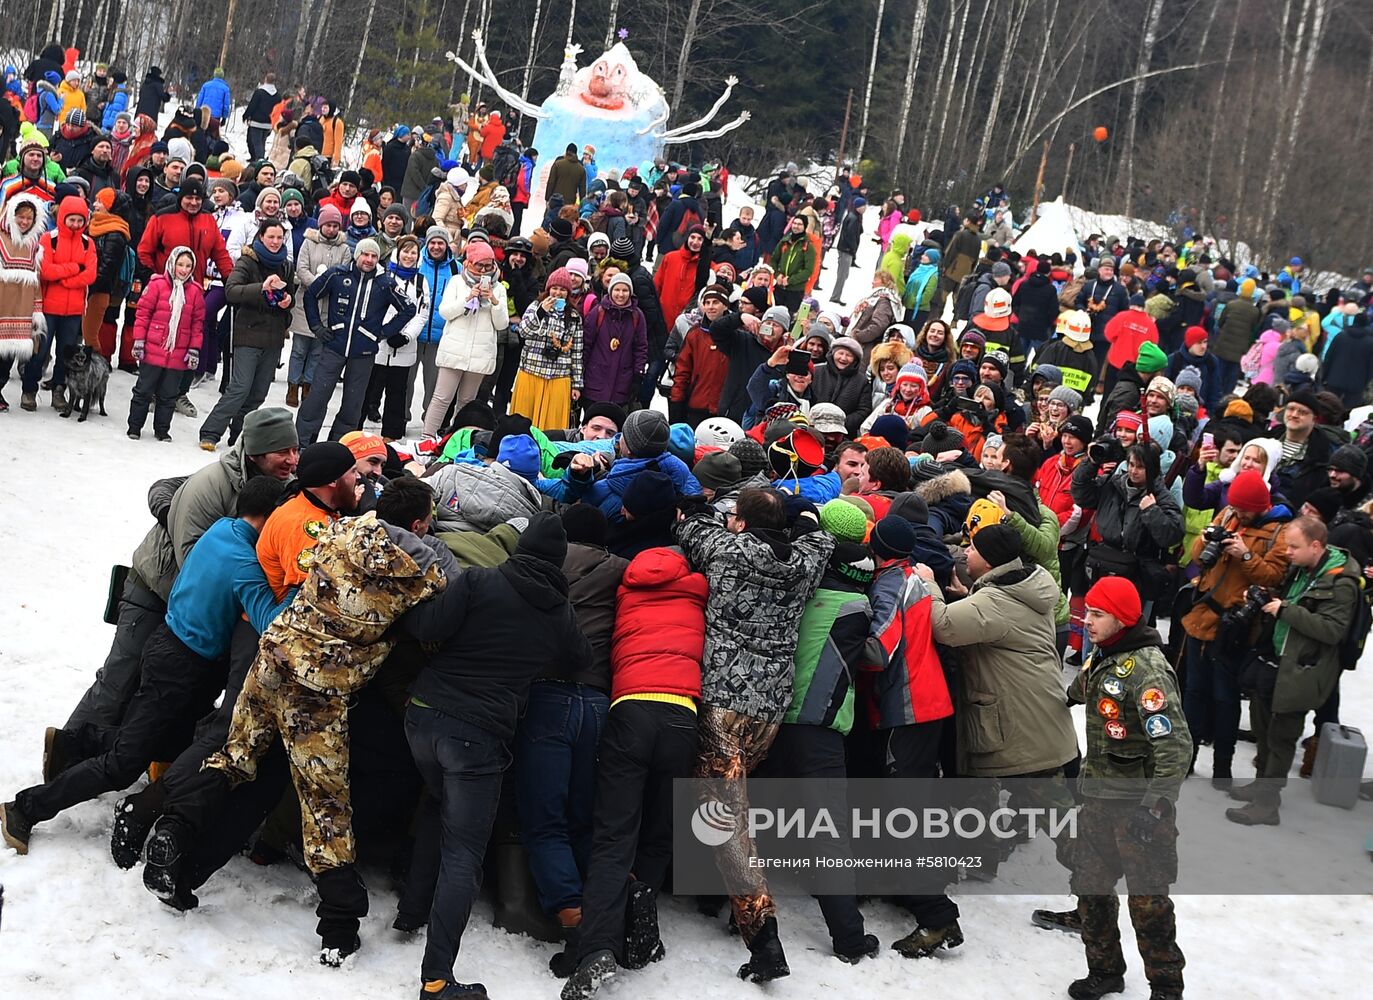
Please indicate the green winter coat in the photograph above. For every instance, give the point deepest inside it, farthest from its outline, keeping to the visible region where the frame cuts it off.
(1138, 743)
(831, 636)
(1236, 329)
(1040, 545)
(1316, 613)
(794, 260)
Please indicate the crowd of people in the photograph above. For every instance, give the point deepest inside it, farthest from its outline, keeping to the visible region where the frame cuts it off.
(863, 541)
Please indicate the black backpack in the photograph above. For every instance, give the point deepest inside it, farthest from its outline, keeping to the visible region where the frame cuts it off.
(1351, 646)
(505, 166)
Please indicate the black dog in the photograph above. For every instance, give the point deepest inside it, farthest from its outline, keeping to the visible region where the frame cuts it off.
(88, 374)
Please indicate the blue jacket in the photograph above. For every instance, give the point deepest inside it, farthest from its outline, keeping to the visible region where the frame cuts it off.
(214, 94)
(606, 493)
(119, 102)
(437, 274)
(818, 490)
(220, 579)
(357, 306)
(1209, 366)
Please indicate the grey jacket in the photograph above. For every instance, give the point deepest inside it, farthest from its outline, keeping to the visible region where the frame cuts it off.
(1011, 713)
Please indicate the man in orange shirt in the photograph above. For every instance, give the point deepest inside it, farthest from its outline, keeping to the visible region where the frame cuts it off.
(328, 480)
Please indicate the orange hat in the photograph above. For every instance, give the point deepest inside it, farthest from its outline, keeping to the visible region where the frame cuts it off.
(105, 198)
(364, 445)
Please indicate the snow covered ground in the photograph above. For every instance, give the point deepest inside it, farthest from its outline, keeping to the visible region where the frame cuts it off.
(73, 500)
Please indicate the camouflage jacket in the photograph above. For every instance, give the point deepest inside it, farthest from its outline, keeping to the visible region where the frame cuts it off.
(365, 574)
(1138, 743)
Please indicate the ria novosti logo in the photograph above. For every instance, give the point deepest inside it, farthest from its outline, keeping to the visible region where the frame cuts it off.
(713, 823)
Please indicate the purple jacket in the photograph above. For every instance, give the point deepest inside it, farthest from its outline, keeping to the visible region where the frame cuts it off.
(608, 370)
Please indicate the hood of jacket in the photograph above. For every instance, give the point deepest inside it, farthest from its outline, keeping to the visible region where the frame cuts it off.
(40, 207)
(538, 581)
(1136, 637)
(1030, 585)
(655, 568)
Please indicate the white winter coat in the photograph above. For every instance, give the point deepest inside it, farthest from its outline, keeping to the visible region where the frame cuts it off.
(243, 228)
(417, 292)
(469, 338)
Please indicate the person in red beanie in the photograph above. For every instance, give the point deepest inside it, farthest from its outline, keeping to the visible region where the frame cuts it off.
(1244, 545)
(1138, 753)
(1196, 353)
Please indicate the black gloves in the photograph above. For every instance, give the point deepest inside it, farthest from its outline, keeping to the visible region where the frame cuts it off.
(396, 341)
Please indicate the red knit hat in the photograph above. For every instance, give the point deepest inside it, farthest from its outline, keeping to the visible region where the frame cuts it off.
(1195, 335)
(1117, 597)
(1249, 493)
(1128, 418)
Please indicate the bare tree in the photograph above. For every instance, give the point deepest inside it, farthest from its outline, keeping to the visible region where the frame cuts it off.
(1145, 56)
(922, 10)
(872, 73)
(362, 48)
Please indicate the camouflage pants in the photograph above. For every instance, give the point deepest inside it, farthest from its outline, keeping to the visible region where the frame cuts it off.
(1104, 851)
(314, 730)
(731, 746)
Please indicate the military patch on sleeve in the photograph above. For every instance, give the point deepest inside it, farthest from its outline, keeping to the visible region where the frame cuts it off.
(1108, 709)
(1113, 687)
(1116, 730)
(1152, 700)
(315, 528)
(305, 559)
(1157, 726)
(1125, 667)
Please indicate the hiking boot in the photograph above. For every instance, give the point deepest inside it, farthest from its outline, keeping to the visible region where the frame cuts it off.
(408, 924)
(1057, 920)
(15, 827)
(1221, 779)
(374, 416)
(1095, 985)
(208, 445)
(134, 816)
(867, 948)
(1164, 993)
(1259, 812)
(333, 957)
(162, 435)
(163, 864)
(767, 961)
(643, 944)
(1244, 793)
(591, 972)
(134, 435)
(28, 401)
(304, 395)
(925, 941)
(185, 407)
(444, 989)
(60, 751)
(59, 397)
(293, 394)
(1309, 746)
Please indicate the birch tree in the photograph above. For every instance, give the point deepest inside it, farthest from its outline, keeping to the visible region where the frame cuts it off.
(872, 72)
(1145, 57)
(922, 10)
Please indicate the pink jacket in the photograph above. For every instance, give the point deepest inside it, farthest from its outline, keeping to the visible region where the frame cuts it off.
(1268, 344)
(153, 321)
(885, 225)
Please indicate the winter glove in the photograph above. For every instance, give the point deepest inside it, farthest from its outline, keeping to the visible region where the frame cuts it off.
(693, 503)
(138, 351)
(798, 505)
(1144, 826)
(192, 359)
(396, 341)
(321, 332)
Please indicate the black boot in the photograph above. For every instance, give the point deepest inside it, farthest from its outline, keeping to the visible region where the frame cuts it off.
(15, 827)
(642, 941)
(163, 867)
(1095, 985)
(134, 816)
(564, 963)
(1057, 920)
(591, 972)
(333, 956)
(925, 941)
(61, 750)
(867, 948)
(1164, 993)
(455, 991)
(767, 961)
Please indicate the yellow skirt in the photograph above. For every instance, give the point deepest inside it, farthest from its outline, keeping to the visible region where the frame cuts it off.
(547, 402)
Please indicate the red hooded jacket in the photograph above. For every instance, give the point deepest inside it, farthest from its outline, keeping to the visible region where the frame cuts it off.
(172, 228)
(660, 627)
(68, 268)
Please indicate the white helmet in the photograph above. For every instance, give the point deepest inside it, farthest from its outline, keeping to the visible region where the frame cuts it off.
(718, 432)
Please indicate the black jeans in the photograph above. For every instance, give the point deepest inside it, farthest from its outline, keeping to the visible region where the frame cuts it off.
(177, 684)
(159, 388)
(644, 747)
(105, 701)
(914, 752)
(393, 381)
(818, 752)
(462, 766)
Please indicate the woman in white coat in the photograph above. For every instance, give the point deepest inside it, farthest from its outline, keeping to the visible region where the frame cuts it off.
(393, 369)
(475, 311)
(243, 228)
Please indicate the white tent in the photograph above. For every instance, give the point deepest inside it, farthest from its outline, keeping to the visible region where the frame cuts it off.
(1052, 232)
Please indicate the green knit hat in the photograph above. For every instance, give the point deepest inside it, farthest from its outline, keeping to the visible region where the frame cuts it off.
(1151, 359)
(844, 521)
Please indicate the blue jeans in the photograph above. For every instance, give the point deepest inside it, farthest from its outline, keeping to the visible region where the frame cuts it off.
(555, 785)
(461, 765)
(1211, 700)
(304, 353)
(66, 331)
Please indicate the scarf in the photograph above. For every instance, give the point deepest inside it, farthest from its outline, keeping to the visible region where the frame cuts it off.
(875, 296)
(266, 256)
(405, 273)
(356, 233)
(1303, 581)
(178, 295)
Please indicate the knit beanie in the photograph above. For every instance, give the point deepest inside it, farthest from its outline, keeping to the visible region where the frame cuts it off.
(328, 214)
(844, 521)
(998, 544)
(645, 433)
(1189, 377)
(1327, 501)
(1150, 359)
(911, 506)
(1071, 397)
(544, 538)
(982, 514)
(1351, 459)
(648, 492)
(520, 454)
(1195, 335)
(848, 344)
(1163, 387)
(622, 248)
(322, 463)
(756, 297)
(940, 437)
(268, 430)
(1118, 597)
(892, 538)
(971, 336)
(752, 458)
(585, 523)
(364, 445)
(1128, 418)
(778, 315)
(477, 252)
(1240, 410)
(367, 245)
(893, 429)
(1249, 493)
(1079, 427)
(718, 470)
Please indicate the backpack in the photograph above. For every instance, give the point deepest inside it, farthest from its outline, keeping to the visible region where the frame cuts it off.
(424, 204)
(1252, 360)
(1351, 646)
(691, 217)
(505, 166)
(127, 269)
(963, 300)
(31, 110)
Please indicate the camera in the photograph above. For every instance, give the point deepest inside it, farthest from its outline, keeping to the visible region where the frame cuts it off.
(1105, 450)
(1236, 625)
(1216, 536)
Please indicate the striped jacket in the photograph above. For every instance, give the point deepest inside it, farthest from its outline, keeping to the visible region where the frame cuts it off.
(833, 630)
(911, 687)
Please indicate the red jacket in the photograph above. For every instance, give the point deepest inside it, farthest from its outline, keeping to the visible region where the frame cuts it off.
(699, 375)
(911, 687)
(1055, 483)
(172, 228)
(675, 280)
(68, 268)
(492, 134)
(660, 627)
(1125, 332)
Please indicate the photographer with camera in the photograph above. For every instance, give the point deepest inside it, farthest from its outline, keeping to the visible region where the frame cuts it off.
(1313, 610)
(1137, 517)
(1243, 546)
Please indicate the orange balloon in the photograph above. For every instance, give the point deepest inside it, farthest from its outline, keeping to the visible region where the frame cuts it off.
(1100, 134)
